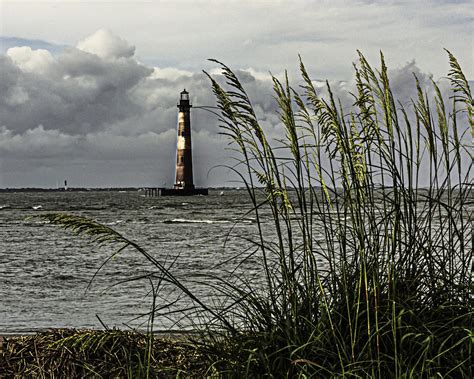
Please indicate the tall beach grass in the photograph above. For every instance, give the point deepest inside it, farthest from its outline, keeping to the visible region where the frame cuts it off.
(370, 272)
(366, 270)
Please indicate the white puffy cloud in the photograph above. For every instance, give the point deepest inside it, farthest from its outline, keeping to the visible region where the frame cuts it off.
(37, 61)
(106, 45)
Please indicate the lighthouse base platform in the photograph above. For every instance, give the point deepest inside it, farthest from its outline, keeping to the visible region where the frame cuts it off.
(154, 192)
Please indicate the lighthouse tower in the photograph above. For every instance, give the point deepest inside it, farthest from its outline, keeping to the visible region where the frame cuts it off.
(184, 158)
(184, 185)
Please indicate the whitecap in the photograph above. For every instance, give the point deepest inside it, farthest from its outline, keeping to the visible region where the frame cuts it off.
(114, 222)
(197, 221)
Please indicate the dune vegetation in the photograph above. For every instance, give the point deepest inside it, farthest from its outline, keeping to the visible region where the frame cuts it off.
(367, 267)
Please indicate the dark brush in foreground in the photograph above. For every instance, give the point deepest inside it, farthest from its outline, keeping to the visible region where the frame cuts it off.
(69, 353)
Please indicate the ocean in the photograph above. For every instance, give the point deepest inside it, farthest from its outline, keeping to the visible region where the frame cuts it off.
(49, 277)
(46, 272)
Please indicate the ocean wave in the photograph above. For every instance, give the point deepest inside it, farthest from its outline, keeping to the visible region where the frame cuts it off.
(196, 221)
(114, 222)
(156, 207)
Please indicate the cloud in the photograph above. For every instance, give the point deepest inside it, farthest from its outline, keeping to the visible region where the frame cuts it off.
(29, 60)
(106, 45)
(8, 42)
(36, 143)
(169, 73)
(77, 92)
(97, 114)
(325, 32)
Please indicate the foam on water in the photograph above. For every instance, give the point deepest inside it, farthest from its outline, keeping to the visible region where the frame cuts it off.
(194, 221)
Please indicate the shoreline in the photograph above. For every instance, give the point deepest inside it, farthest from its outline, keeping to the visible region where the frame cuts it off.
(172, 332)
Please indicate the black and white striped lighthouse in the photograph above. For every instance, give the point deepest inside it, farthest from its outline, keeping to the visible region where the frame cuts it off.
(184, 157)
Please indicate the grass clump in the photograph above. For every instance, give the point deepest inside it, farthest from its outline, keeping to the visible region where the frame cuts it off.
(367, 264)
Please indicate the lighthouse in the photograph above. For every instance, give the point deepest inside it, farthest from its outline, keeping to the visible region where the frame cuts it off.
(184, 157)
(184, 185)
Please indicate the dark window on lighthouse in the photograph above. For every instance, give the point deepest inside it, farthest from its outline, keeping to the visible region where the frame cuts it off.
(181, 159)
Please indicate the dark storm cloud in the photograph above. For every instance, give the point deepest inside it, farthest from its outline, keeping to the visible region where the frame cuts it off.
(94, 113)
(78, 92)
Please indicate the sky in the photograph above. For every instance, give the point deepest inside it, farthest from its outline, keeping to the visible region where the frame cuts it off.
(88, 89)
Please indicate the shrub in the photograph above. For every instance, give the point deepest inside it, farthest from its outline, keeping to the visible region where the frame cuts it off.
(367, 273)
